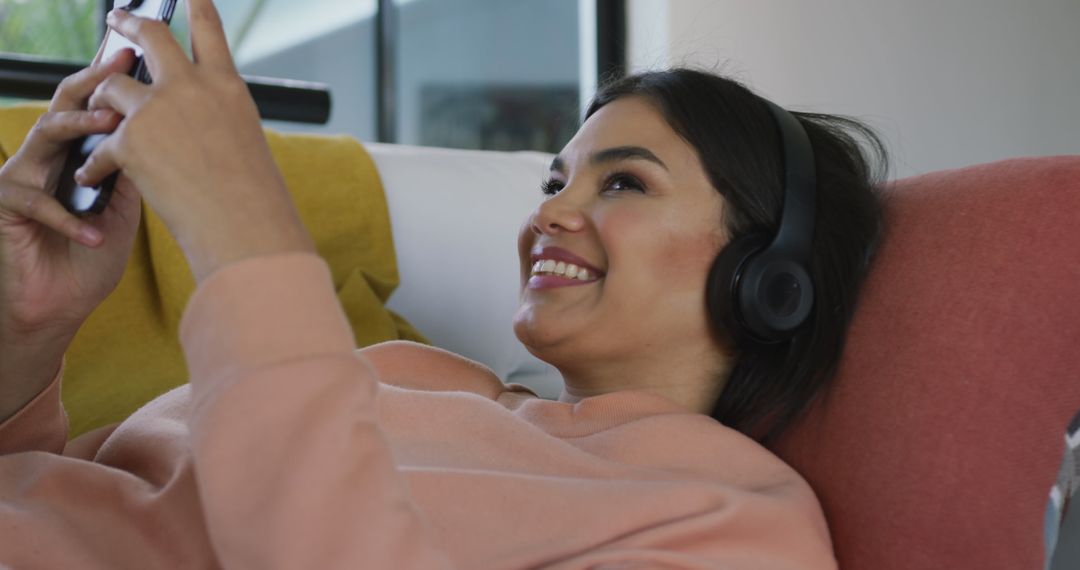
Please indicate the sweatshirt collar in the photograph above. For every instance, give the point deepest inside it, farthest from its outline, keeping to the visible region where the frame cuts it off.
(590, 415)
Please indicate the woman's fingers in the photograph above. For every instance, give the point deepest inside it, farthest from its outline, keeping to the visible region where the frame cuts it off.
(123, 93)
(34, 204)
(209, 45)
(73, 91)
(162, 52)
(100, 164)
(54, 131)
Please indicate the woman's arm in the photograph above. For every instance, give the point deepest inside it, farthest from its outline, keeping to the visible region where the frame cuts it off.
(293, 469)
(27, 366)
(40, 424)
(55, 268)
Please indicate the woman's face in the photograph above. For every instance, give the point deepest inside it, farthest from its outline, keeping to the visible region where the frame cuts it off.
(630, 206)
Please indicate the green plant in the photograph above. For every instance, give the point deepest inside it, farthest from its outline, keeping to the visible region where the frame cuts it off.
(66, 29)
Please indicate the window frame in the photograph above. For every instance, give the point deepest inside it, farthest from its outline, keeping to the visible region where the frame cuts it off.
(33, 77)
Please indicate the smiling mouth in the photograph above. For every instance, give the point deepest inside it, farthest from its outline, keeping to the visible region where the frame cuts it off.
(550, 267)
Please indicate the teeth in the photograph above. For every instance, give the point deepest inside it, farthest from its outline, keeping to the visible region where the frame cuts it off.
(568, 270)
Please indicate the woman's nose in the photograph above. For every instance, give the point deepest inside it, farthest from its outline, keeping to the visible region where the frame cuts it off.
(558, 214)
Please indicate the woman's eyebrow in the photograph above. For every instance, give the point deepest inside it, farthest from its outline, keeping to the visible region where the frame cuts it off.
(613, 154)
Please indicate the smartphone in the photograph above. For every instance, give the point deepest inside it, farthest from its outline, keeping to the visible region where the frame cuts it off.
(83, 200)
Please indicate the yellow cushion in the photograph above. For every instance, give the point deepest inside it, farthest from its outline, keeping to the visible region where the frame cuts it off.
(127, 353)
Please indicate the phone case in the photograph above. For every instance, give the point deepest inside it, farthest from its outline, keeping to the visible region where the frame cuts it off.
(83, 200)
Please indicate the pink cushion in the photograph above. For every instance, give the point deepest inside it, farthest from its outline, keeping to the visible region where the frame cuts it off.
(943, 434)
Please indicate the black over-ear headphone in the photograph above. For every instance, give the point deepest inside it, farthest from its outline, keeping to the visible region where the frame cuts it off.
(759, 287)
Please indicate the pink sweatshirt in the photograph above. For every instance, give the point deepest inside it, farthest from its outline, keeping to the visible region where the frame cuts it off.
(292, 450)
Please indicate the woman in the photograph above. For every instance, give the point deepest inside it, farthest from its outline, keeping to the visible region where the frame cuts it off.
(279, 454)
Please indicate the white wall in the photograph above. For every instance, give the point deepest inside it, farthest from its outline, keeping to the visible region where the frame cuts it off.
(947, 82)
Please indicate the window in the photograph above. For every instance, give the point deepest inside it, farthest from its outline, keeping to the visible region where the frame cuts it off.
(325, 41)
(62, 29)
(493, 74)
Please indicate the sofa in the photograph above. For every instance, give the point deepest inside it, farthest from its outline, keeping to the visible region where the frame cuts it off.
(938, 444)
(934, 449)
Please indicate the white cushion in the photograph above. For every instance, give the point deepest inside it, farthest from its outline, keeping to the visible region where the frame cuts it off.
(455, 216)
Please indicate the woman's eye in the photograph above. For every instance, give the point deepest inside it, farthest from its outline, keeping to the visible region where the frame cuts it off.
(616, 183)
(622, 183)
(551, 187)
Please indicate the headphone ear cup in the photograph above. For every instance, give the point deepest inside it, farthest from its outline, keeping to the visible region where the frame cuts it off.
(722, 289)
(755, 292)
(775, 295)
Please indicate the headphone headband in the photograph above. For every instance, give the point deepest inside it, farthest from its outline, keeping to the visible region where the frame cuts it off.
(760, 286)
(800, 185)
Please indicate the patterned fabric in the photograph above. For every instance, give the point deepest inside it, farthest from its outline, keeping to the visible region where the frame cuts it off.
(1064, 493)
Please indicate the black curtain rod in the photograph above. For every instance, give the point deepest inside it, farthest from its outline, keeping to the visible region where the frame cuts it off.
(610, 40)
(26, 77)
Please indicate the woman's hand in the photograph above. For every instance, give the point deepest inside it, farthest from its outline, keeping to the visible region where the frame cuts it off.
(193, 144)
(55, 268)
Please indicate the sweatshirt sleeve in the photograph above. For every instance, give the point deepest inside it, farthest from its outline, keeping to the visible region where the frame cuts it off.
(292, 468)
(41, 425)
